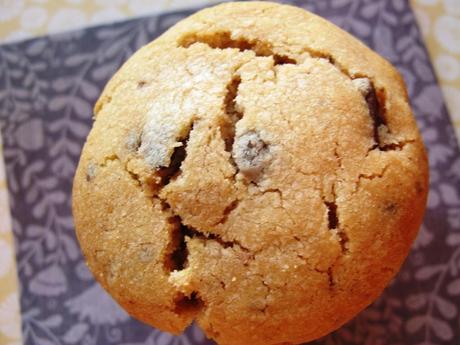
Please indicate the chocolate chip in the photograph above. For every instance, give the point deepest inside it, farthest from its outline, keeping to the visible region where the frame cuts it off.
(251, 154)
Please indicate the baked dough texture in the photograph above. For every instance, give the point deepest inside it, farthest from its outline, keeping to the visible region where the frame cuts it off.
(255, 169)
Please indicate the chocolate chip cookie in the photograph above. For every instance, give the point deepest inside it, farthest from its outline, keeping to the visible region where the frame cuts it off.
(255, 169)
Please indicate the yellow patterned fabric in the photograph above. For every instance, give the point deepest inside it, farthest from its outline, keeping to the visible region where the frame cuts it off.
(10, 325)
(438, 19)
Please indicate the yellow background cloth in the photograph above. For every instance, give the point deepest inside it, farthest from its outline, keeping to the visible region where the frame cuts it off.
(10, 321)
(439, 21)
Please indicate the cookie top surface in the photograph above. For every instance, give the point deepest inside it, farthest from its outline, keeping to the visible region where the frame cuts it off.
(255, 169)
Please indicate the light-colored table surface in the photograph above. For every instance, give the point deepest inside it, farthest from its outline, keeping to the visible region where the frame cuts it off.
(439, 21)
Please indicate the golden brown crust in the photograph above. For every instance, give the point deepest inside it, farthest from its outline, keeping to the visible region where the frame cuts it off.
(267, 183)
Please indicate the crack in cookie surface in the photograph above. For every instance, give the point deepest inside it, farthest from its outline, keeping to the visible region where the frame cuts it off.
(224, 40)
(232, 114)
(334, 224)
(376, 110)
(172, 171)
(176, 257)
(227, 211)
(188, 305)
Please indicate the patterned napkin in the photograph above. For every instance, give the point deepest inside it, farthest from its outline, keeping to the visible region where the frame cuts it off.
(47, 89)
